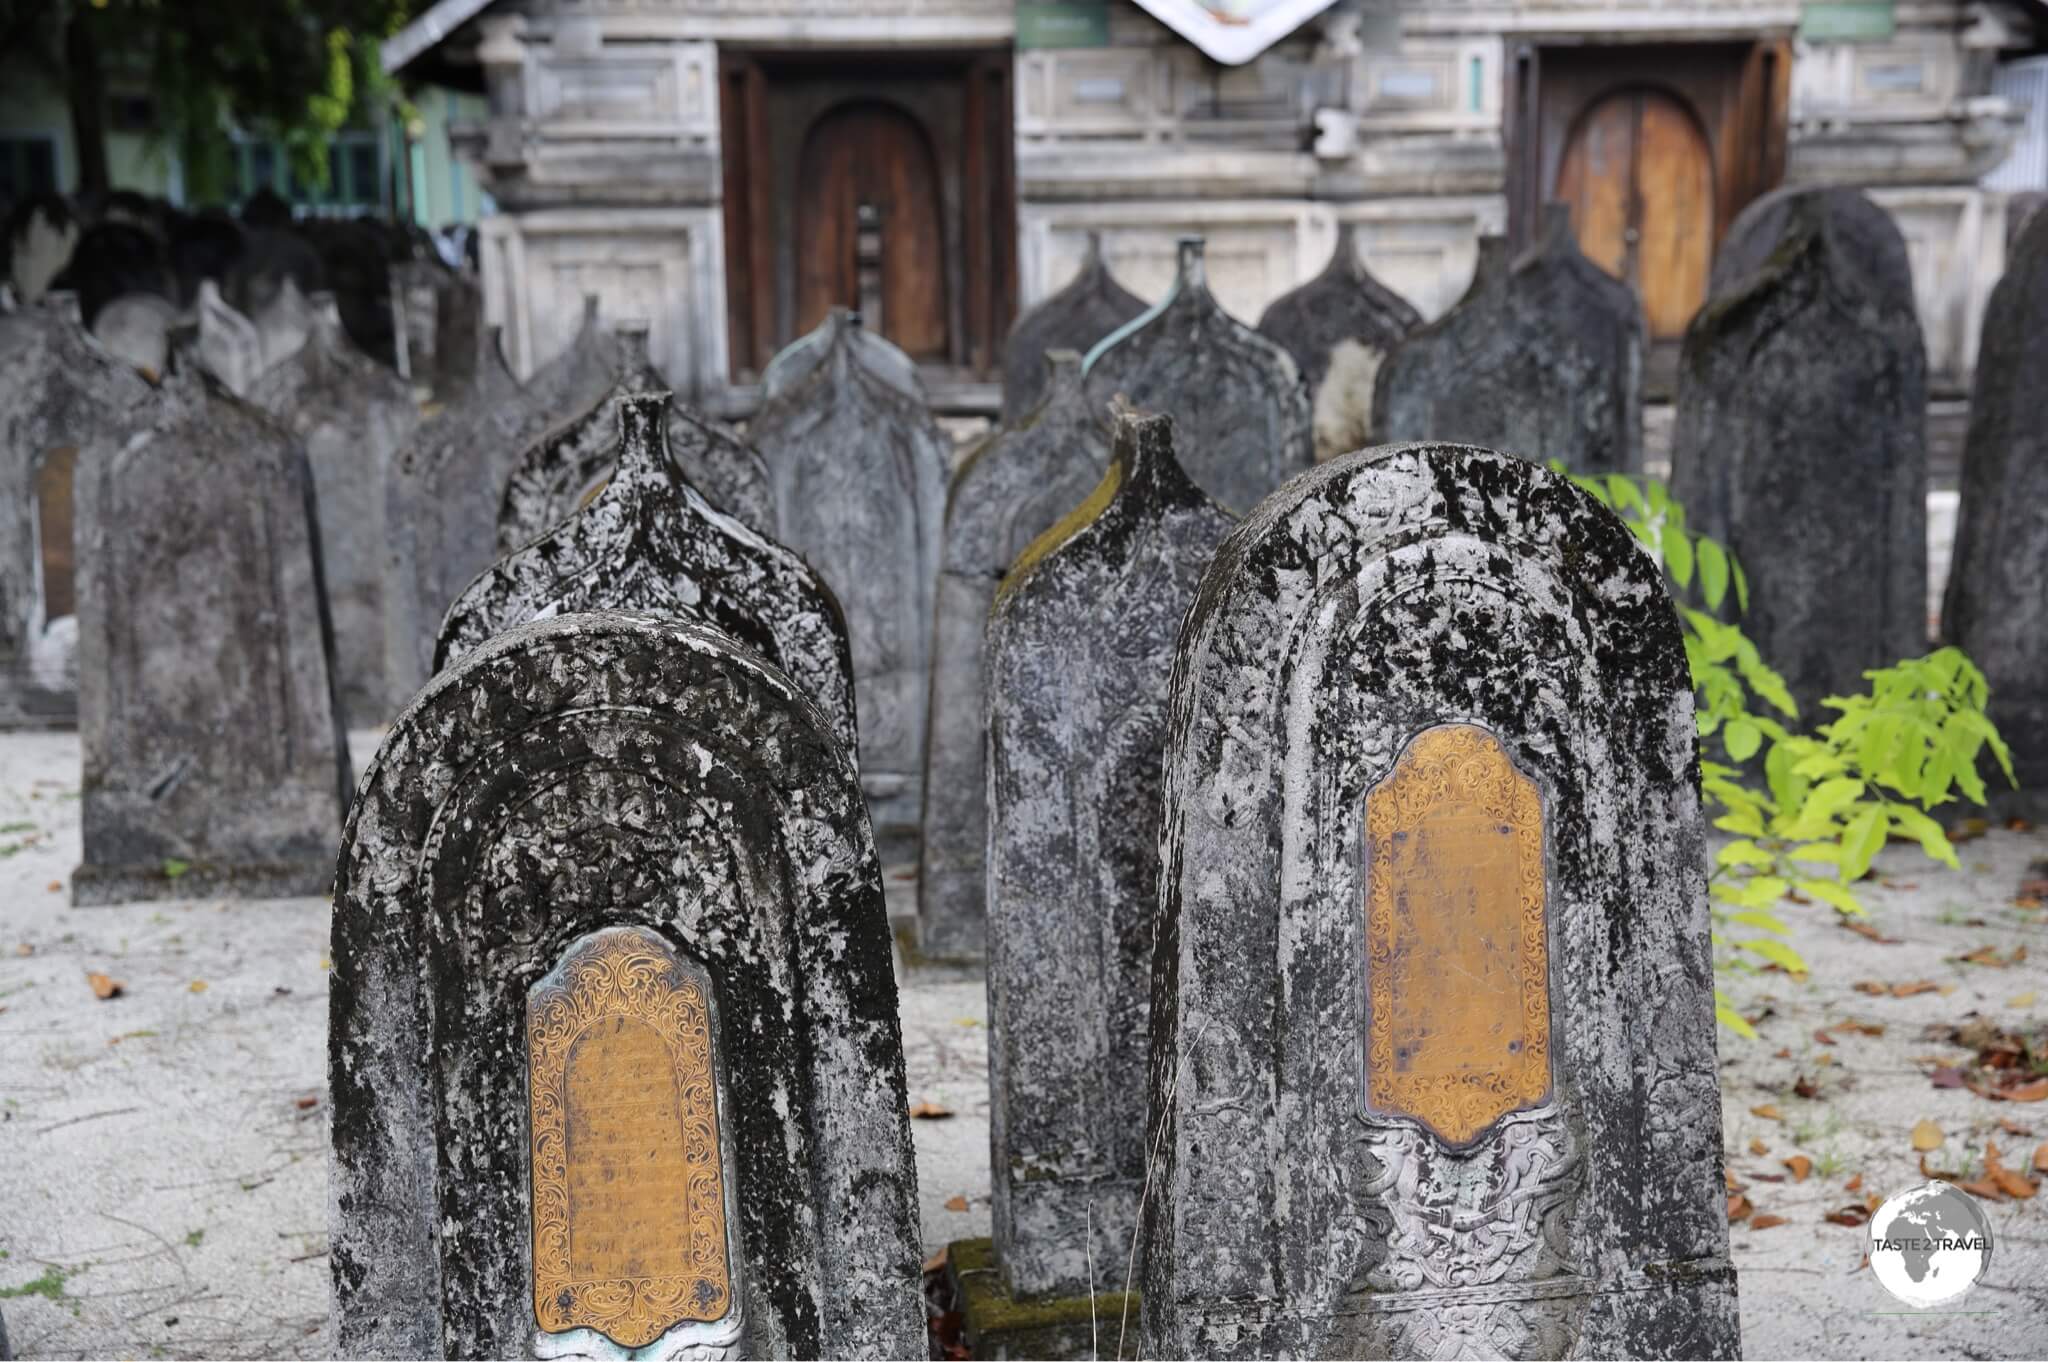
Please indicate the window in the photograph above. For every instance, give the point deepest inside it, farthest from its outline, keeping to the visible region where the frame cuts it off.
(28, 165)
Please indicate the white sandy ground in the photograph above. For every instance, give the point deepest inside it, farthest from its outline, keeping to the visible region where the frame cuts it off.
(162, 1170)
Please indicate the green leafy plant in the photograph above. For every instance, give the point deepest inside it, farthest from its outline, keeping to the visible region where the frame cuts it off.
(1830, 798)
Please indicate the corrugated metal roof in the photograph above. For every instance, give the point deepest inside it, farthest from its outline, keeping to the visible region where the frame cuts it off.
(399, 50)
(2025, 83)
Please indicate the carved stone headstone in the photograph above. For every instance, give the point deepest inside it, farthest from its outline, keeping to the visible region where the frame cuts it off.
(229, 343)
(800, 358)
(352, 415)
(1433, 1051)
(563, 468)
(613, 1037)
(1339, 327)
(441, 509)
(136, 329)
(650, 541)
(41, 234)
(1092, 305)
(859, 470)
(1996, 608)
(1546, 362)
(1800, 441)
(60, 393)
(1864, 230)
(215, 759)
(286, 321)
(1008, 491)
(1239, 404)
(1080, 652)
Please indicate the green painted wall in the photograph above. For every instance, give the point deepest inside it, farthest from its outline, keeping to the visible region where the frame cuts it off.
(444, 187)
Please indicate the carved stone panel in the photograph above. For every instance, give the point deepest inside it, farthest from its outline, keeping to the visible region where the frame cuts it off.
(1432, 1027)
(1239, 403)
(1089, 307)
(629, 1181)
(1457, 962)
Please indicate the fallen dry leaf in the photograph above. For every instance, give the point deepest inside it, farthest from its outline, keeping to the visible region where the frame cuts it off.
(1806, 1088)
(930, 1111)
(103, 987)
(1870, 933)
(56, 886)
(1983, 1188)
(1854, 1184)
(1784, 1053)
(24, 949)
(2012, 1127)
(196, 986)
(2025, 1092)
(1927, 1136)
(1935, 1174)
(1765, 1222)
(1918, 986)
(2041, 1157)
(307, 1103)
(1759, 1148)
(1872, 987)
(1824, 1038)
(956, 1203)
(1768, 1177)
(1861, 1028)
(1738, 1208)
(1872, 1202)
(1800, 1166)
(1852, 1214)
(1947, 1076)
(2023, 1000)
(1968, 830)
(1735, 1186)
(1768, 1111)
(937, 1260)
(2012, 1182)
(1823, 1058)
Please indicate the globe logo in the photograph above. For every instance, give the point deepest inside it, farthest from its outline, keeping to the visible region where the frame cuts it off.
(1929, 1244)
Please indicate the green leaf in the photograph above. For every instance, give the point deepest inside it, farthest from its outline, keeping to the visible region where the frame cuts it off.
(1742, 738)
(1763, 891)
(1929, 833)
(1830, 796)
(1762, 921)
(1863, 840)
(1825, 853)
(1827, 891)
(1713, 563)
(1744, 853)
(173, 867)
(1622, 493)
(1743, 822)
(1777, 952)
(1678, 555)
(1730, 1018)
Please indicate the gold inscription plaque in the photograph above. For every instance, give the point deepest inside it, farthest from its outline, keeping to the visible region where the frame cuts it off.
(628, 1183)
(1457, 964)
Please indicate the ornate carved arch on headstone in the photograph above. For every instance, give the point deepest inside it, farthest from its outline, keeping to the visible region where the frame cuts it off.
(576, 774)
(1388, 594)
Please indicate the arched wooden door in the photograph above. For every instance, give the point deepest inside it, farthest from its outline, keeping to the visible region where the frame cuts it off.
(1639, 177)
(868, 226)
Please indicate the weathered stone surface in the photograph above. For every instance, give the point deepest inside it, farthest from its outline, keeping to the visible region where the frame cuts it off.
(136, 328)
(592, 772)
(352, 415)
(1864, 231)
(60, 393)
(1369, 604)
(796, 361)
(229, 344)
(441, 507)
(1080, 652)
(1238, 402)
(1092, 305)
(562, 469)
(207, 712)
(1339, 327)
(285, 321)
(1545, 362)
(1996, 607)
(859, 470)
(41, 234)
(440, 313)
(651, 542)
(1800, 442)
(1009, 490)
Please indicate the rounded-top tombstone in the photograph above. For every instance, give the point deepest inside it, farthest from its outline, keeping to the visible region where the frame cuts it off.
(1338, 327)
(1237, 399)
(1009, 490)
(650, 541)
(1433, 1050)
(1864, 231)
(859, 469)
(613, 1043)
(1092, 305)
(1800, 442)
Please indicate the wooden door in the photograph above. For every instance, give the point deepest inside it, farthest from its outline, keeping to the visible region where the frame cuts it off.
(1639, 177)
(53, 530)
(868, 227)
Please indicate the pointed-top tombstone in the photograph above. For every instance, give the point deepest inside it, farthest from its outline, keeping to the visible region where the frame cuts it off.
(1238, 401)
(1080, 652)
(1432, 1033)
(1092, 305)
(796, 361)
(60, 393)
(1996, 607)
(215, 757)
(651, 542)
(229, 344)
(1490, 261)
(1800, 442)
(441, 509)
(136, 328)
(859, 469)
(1008, 491)
(352, 415)
(563, 469)
(1338, 327)
(284, 323)
(1545, 362)
(1864, 231)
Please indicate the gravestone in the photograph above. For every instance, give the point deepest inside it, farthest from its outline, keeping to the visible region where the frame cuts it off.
(801, 357)
(1996, 608)
(229, 344)
(286, 322)
(1239, 405)
(613, 1043)
(1433, 1051)
(116, 256)
(1080, 651)
(1545, 362)
(136, 328)
(441, 507)
(352, 415)
(1338, 327)
(650, 541)
(60, 392)
(1091, 306)
(41, 234)
(1009, 490)
(215, 759)
(859, 470)
(203, 245)
(1799, 441)
(1864, 230)
(562, 469)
